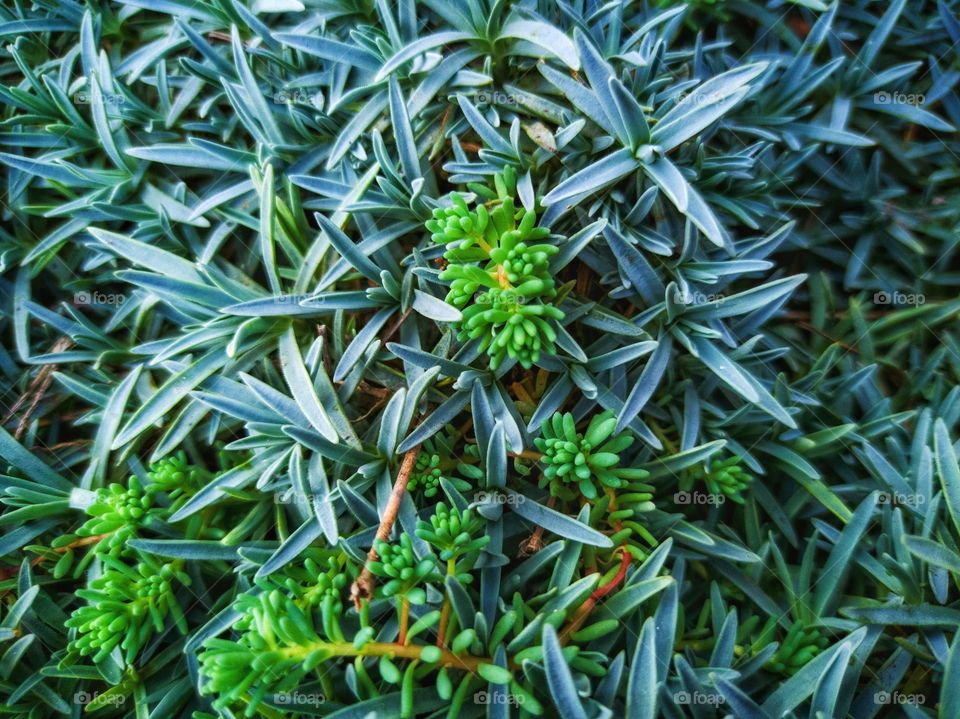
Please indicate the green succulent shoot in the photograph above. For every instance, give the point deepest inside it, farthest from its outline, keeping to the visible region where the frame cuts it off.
(403, 571)
(326, 588)
(434, 464)
(118, 513)
(126, 606)
(727, 477)
(267, 658)
(499, 274)
(454, 534)
(801, 644)
(177, 477)
(426, 475)
(588, 460)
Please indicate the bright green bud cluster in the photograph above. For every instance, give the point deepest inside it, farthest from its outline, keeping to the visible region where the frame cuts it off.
(399, 565)
(584, 459)
(125, 607)
(509, 328)
(453, 533)
(119, 512)
(524, 263)
(327, 588)
(728, 478)
(801, 644)
(175, 476)
(498, 252)
(426, 474)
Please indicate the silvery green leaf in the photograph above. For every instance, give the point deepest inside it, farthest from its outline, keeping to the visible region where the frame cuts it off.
(593, 177)
(704, 105)
(302, 387)
(418, 47)
(556, 522)
(948, 470)
(330, 49)
(544, 35)
(559, 679)
(433, 308)
(651, 376)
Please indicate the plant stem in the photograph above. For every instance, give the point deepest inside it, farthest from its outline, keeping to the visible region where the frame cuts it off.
(363, 587)
(445, 609)
(379, 649)
(404, 620)
(580, 616)
(533, 543)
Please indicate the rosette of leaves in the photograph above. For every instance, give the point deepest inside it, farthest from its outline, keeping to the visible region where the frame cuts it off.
(453, 533)
(589, 461)
(499, 272)
(176, 477)
(435, 463)
(727, 477)
(117, 514)
(403, 570)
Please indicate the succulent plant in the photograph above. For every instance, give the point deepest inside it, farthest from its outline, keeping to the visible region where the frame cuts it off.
(801, 644)
(175, 476)
(126, 606)
(590, 459)
(403, 571)
(117, 514)
(453, 533)
(727, 477)
(499, 272)
(426, 475)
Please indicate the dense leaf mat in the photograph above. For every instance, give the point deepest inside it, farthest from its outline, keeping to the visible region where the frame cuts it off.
(382, 358)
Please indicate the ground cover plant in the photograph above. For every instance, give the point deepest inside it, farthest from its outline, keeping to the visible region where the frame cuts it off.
(484, 358)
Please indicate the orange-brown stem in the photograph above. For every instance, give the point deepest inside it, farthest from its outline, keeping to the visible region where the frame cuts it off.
(363, 587)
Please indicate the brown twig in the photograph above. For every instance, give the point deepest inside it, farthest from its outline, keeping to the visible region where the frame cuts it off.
(534, 542)
(394, 327)
(36, 390)
(362, 588)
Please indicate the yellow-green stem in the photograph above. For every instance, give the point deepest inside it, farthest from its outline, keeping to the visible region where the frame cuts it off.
(380, 649)
(445, 609)
(404, 620)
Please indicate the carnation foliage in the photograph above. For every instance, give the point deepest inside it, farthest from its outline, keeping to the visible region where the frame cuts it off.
(500, 358)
